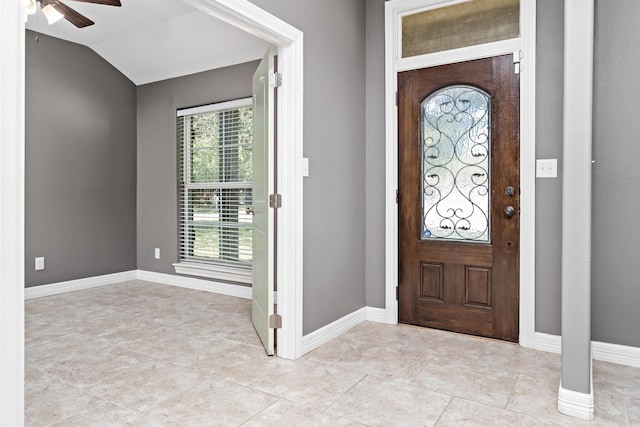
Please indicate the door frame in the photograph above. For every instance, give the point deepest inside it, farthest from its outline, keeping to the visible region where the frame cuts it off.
(288, 39)
(243, 15)
(524, 50)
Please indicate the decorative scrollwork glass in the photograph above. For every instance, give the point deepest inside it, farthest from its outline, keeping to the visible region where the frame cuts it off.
(456, 157)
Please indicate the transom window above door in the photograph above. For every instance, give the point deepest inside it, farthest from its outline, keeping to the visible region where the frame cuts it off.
(463, 24)
(215, 178)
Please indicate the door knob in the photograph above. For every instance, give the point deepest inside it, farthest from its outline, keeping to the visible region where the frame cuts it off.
(509, 211)
(250, 210)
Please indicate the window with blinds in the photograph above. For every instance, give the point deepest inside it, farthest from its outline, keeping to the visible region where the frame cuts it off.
(215, 174)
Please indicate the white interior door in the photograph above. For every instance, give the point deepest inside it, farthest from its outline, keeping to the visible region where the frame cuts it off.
(263, 186)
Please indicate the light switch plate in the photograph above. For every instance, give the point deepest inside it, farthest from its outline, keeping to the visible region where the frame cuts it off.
(39, 263)
(546, 168)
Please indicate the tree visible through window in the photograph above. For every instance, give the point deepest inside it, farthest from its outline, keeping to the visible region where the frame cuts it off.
(215, 180)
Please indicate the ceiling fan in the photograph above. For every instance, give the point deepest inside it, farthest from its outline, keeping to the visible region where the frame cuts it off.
(54, 10)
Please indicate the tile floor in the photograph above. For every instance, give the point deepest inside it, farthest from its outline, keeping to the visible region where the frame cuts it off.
(144, 354)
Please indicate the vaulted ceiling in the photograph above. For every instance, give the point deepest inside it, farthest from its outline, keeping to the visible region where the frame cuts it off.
(152, 40)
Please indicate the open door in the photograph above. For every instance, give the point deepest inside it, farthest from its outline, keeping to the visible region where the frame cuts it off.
(263, 214)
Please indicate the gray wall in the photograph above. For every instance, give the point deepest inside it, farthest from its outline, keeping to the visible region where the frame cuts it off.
(549, 84)
(615, 287)
(616, 199)
(80, 195)
(157, 182)
(374, 155)
(334, 142)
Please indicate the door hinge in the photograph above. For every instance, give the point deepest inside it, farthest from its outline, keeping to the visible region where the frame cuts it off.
(517, 57)
(275, 321)
(275, 200)
(275, 80)
(397, 293)
(397, 196)
(396, 98)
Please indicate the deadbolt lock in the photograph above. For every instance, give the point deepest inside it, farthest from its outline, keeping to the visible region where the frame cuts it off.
(509, 191)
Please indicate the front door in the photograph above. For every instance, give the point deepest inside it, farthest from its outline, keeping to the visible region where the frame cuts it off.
(263, 216)
(458, 197)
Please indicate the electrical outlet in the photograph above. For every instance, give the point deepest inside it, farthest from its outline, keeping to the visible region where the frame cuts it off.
(547, 168)
(157, 253)
(40, 263)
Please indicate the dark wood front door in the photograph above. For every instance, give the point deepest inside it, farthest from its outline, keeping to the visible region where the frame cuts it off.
(458, 196)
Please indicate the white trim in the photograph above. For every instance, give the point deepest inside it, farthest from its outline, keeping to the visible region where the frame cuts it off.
(195, 284)
(616, 353)
(458, 55)
(547, 342)
(12, 17)
(214, 272)
(218, 106)
(528, 173)
(377, 315)
(605, 352)
(576, 404)
(393, 63)
(221, 288)
(78, 284)
(333, 330)
(250, 18)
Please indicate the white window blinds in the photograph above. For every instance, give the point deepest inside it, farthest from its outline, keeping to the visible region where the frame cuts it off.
(215, 174)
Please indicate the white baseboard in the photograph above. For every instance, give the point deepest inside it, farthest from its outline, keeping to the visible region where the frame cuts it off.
(196, 284)
(165, 279)
(547, 342)
(615, 353)
(333, 330)
(377, 315)
(78, 284)
(576, 404)
(605, 352)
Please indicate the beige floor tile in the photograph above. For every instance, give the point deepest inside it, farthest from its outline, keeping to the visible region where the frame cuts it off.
(376, 402)
(398, 362)
(53, 349)
(187, 348)
(308, 382)
(535, 395)
(451, 345)
(511, 357)
(233, 327)
(53, 402)
(290, 414)
(239, 363)
(609, 408)
(145, 354)
(469, 379)
(92, 367)
(105, 414)
(211, 403)
(632, 406)
(618, 378)
(146, 386)
(461, 412)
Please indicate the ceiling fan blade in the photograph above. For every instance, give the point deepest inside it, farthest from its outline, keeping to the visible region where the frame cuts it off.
(76, 18)
(105, 2)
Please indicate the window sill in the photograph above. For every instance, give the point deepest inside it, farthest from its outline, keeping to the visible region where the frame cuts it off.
(214, 272)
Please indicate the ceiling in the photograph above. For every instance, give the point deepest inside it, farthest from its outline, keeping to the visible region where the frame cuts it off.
(152, 40)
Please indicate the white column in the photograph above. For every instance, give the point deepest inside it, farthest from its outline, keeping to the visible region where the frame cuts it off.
(576, 394)
(11, 213)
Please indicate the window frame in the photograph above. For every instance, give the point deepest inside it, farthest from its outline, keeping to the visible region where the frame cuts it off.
(203, 268)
